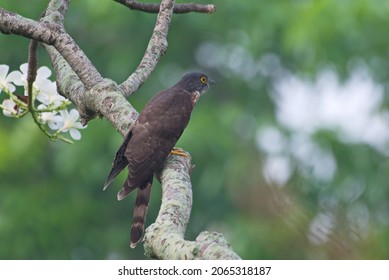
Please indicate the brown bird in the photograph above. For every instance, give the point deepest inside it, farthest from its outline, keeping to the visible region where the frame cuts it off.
(150, 140)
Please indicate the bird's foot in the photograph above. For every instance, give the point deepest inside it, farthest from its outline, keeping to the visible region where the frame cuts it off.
(179, 152)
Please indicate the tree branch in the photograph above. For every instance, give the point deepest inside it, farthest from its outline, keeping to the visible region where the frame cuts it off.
(53, 34)
(165, 238)
(105, 99)
(55, 13)
(56, 10)
(178, 8)
(156, 48)
(68, 83)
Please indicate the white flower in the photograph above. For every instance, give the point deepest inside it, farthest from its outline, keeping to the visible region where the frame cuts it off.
(9, 108)
(41, 81)
(49, 95)
(69, 123)
(51, 118)
(6, 81)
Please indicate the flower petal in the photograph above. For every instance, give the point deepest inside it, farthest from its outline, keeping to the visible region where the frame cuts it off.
(24, 69)
(75, 134)
(3, 71)
(16, 77)
(43, 73)
(73, 115)
(9, 110)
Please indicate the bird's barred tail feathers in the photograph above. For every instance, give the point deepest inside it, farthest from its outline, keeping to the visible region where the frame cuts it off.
(140, 211)
(126, 189)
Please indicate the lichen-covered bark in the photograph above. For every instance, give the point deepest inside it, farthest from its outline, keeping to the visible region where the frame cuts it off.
(164, 239)
(104, 99)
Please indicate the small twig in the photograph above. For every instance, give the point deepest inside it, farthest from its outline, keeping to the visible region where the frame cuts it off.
(31, 74)
(16, 115)
(178, 8)
(19, 100)
(63, 106)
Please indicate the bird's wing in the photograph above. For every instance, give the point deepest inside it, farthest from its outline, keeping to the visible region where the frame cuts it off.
(119, 162)
(159, 126)
(139, 158)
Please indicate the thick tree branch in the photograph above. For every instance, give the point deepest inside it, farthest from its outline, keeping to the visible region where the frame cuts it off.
(156, 48)
(165, 238)
(57, 9)
(68, 83)
(52, 34)
(77, 79)
(104, 99)
(178, 8)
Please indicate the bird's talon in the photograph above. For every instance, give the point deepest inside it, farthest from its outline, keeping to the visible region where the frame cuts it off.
(179, 152)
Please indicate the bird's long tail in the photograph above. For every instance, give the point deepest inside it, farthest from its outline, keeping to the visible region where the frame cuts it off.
(126, 189)
(140, 211)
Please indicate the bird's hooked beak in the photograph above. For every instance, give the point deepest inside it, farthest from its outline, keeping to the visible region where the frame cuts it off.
(210, 82)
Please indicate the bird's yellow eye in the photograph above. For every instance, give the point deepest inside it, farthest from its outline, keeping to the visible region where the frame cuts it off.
(203, 79)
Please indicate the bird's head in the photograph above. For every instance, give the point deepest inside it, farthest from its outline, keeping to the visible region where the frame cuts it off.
(196, 81)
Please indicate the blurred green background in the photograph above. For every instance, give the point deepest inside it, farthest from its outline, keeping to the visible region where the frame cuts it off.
(290, 146)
